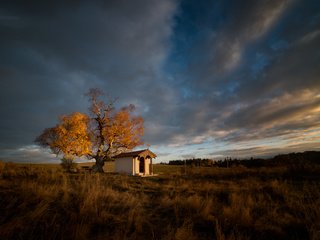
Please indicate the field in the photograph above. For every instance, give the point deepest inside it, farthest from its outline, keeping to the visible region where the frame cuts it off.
(44, 202)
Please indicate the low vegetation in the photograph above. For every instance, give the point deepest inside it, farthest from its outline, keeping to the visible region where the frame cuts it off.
(45, 202)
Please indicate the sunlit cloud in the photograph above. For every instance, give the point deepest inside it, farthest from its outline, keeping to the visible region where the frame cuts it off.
(28, 154)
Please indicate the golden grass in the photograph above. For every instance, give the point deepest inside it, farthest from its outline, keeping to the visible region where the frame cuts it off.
(43, 202)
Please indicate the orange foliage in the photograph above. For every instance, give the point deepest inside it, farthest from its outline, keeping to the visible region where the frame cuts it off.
(70, 136)
(124, 131)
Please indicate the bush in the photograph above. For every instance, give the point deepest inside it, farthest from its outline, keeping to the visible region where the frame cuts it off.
(68, 164)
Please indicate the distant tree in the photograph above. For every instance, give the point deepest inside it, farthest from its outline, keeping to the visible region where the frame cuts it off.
(99, 135)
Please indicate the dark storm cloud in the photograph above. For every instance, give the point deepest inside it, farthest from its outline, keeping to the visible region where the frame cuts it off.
(52, 52)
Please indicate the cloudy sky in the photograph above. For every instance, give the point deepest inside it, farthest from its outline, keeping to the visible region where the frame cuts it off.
(211, 78)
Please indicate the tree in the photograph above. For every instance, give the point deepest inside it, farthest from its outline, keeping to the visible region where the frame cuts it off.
(99, 135)
(69, 137)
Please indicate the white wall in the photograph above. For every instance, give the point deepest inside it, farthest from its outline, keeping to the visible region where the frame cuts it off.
(124, 165)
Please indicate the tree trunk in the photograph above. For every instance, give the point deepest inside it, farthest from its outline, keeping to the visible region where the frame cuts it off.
(98, 166)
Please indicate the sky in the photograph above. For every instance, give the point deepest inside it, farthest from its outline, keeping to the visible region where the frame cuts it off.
(212, 79)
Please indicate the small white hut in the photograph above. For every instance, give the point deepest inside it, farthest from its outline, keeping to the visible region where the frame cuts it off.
(135, 163)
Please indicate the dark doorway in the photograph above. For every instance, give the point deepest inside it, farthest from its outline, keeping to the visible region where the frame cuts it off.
(141, 165)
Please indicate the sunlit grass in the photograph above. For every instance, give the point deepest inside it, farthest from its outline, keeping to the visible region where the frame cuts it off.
(44, 202)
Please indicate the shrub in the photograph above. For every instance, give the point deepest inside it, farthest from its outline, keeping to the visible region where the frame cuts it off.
(68, 164)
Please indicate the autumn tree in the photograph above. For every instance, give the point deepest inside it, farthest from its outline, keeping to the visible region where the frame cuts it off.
(99, 135)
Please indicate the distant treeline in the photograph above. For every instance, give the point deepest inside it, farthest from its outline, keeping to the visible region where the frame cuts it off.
(309, 157)
(196, 162)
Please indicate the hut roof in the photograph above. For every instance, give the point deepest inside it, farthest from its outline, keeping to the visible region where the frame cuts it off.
(140, 153)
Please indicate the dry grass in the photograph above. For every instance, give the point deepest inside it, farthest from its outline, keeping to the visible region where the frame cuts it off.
(41, 202)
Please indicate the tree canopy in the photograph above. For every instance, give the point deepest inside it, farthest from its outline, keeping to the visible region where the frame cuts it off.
(98, 135)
